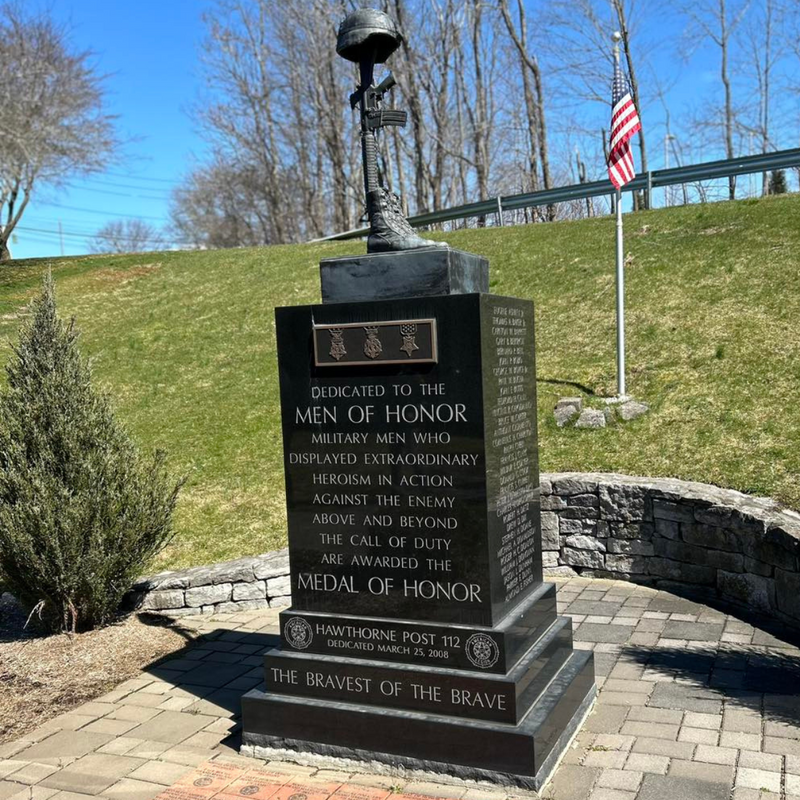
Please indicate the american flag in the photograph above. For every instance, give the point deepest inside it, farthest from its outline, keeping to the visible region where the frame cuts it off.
(624, 123)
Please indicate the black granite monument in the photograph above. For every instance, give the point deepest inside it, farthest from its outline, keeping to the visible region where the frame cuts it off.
(421, 632)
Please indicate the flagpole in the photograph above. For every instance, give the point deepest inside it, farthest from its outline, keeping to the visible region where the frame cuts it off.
(620, 274)
(620, 304)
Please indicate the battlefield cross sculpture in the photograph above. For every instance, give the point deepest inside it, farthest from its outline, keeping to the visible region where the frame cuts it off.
(368, 37)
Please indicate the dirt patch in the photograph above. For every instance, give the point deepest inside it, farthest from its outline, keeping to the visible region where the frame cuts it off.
(43, 676)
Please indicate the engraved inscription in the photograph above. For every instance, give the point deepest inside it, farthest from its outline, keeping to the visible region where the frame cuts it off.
(298, 633)
(398, 478)
(482, 650)
(513, 432)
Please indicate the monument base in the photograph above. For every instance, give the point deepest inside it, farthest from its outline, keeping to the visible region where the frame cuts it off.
(428, 272)
(512, 635)
(522, 755)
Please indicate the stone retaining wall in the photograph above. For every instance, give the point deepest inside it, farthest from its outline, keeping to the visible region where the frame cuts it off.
(674, 534)
(246, 584)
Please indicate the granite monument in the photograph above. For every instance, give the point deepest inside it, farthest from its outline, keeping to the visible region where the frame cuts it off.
(421, 631)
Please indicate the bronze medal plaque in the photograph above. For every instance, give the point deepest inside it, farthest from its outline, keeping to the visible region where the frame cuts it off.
(408, 341)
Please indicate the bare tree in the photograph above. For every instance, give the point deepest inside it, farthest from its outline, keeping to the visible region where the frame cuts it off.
(220, 206)
(621, 13)
(716, 21)
(764, 48)
(126, 236)
(581, 45)
(533, 92)
(408, 69)
(280, 130)
(52, 121)
(478, 111)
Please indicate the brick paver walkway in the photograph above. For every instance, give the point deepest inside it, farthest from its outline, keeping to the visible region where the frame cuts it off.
(694, 705)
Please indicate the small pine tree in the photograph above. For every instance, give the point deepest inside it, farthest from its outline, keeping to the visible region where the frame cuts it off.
(82, 511)
(777, 182)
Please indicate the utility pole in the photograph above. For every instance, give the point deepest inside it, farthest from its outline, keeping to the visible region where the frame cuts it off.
(61, 237)
(676, 151)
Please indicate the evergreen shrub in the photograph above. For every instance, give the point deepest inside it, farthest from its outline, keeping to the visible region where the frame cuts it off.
(82, 510)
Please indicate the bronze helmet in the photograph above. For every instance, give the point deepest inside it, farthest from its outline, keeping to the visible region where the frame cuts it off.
(365, 31)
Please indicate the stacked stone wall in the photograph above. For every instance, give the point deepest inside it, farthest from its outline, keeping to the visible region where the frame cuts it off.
(247, 584)
(676, 535)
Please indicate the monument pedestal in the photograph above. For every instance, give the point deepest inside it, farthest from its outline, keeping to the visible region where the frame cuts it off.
(421, 631)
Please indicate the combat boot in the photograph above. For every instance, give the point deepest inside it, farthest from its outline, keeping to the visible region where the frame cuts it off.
(389, 229)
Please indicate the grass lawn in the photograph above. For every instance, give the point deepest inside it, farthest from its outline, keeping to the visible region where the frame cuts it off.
(186, 344)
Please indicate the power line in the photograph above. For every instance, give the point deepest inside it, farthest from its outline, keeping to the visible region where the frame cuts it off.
(73, 223)
(103, 212)
(134, 177)
(129, 186)
(95, 235)
(116, 194)
(34, 219)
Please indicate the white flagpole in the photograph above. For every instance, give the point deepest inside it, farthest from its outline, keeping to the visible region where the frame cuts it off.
(620, 275)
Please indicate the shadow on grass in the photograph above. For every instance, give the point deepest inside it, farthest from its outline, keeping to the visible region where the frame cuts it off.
(579, 386)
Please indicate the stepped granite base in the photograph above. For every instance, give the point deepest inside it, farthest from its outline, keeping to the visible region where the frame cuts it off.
(522, 755)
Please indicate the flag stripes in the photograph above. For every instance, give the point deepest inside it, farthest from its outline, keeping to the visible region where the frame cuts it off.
(625, 123)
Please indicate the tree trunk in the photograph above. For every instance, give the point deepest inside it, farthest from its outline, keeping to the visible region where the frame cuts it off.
(726, 82)
(531, 64)
(415, 113)
(765, 90)
(480, 126)
(5, 253)
(401, 172)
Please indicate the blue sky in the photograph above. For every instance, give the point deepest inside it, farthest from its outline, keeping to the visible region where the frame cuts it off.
(150, 50)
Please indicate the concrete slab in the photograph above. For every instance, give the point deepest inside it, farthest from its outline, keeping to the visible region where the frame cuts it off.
(664, 787)
(128, 789)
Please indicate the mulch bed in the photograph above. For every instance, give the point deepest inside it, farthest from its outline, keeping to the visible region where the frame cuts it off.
(43, 676)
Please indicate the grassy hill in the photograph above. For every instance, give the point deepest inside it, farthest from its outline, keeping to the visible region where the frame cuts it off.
(186, 343)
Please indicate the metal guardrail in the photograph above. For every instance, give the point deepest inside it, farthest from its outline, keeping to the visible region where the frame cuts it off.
(693, 173)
